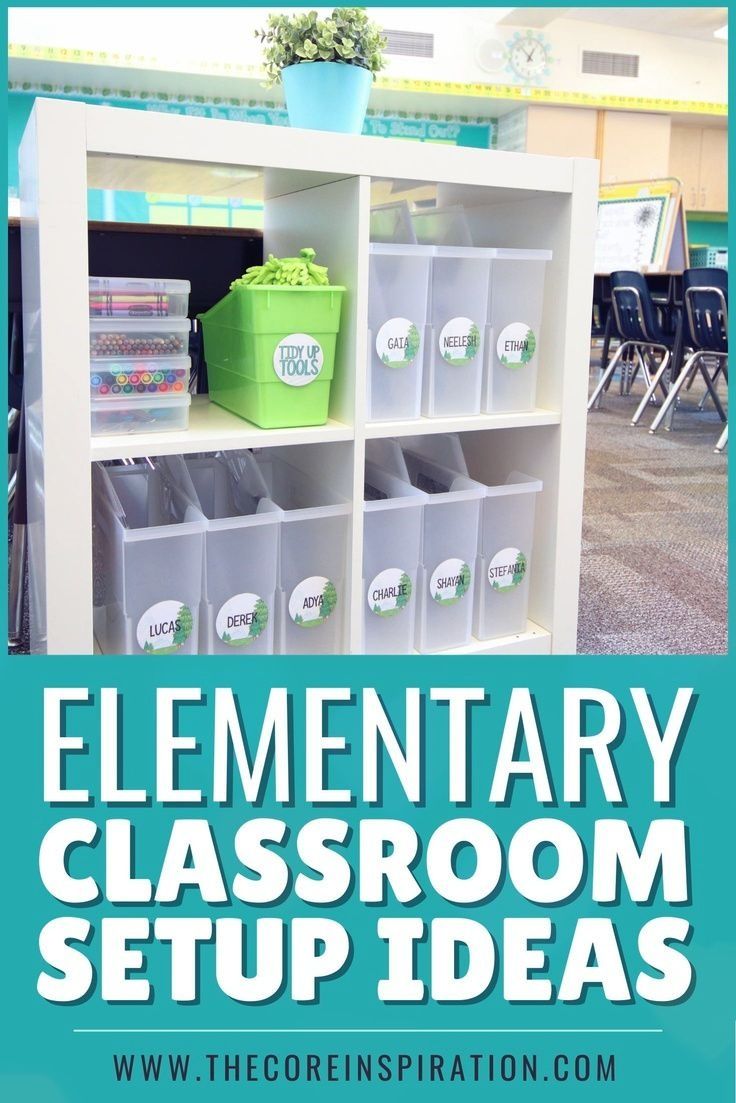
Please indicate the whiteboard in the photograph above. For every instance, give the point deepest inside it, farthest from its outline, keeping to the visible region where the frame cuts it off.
(628, 232)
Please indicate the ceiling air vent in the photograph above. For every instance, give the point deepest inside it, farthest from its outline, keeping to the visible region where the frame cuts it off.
(602, 64)
(410, 43)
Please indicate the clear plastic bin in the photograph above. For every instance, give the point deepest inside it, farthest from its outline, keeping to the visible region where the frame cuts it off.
(118, 378)
(446, 578)
(241, 555)
(148, 546)
(513, 348)
(152, 337)
(313, 560)
(453, 374)
(140, 413)
(135, 297)
(397, 318)
(441, 226)
(392, 536)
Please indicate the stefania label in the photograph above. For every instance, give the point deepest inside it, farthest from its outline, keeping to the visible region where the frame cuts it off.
(312, 601)
(164, 628)
(389, 592)
(506, 570)
(450, 581)
(397, 342)
(241, 619)
(459, 341)
(298, 359)
(516, 344)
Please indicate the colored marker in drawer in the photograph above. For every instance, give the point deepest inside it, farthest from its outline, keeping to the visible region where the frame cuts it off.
(116, 382)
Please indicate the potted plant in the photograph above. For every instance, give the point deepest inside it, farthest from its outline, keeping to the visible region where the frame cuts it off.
(326, 66)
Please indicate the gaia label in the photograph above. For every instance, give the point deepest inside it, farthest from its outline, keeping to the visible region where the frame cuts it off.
(397, 342)
(298, 359)
(516, 344)
(506, 570)
(459, 341)
(241, 619)
(450, 582)
(389, 592)
(312, 601)
(164, 627)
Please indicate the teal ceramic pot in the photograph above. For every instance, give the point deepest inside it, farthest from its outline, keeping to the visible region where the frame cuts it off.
(327, 95)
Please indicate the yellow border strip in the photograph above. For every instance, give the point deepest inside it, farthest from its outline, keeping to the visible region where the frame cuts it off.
(515, 92)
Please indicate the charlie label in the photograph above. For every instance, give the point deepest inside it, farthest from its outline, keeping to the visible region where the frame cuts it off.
(450, 581)
(459, 341)
(516, 345)
(389, 592)
(298, 359)
(164, 627)
(507, 569)
(241, 619)
(312, 600)
(397, 342)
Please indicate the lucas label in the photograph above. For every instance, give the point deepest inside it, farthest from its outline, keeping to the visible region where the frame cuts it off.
(389, 592)
(459, 341)
(312, 601)
(241, 619)
(164, 628)
(397, 342)
(506, 570)
(450, 582)
(298, 359)
(516, 345)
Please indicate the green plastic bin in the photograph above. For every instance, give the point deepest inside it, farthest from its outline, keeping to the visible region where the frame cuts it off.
(270, 353)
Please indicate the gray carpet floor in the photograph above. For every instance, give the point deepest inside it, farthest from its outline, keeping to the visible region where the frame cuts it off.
(654, 557)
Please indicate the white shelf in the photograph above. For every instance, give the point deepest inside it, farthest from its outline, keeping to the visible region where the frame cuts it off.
(212, 429)
(472, 423)
(317, 189)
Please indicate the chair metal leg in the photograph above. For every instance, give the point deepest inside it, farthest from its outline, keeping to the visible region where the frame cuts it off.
(711, 389)
(722, 441)
(651, 389)
(607, 375)
(674, 390)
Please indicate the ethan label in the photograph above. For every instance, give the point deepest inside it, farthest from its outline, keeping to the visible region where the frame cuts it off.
(312, 601)
(298, 359)
(450, 581)
(397, 342)
(241, 619)
(507, 570)
(516, 345)
(389, 592)
(459, 341)
(164, 627)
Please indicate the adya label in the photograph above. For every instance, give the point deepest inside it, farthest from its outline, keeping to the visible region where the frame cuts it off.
(389, 592)
(450, 582)
(507, 570)
(516, 344)
(312, 601)
(164, 628)
(298, 359)
(397, 342)
(241, 619)
(459, 341)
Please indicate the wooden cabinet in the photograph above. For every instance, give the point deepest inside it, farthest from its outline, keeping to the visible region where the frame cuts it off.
(561, 131)
(699, 158)
(633, 146)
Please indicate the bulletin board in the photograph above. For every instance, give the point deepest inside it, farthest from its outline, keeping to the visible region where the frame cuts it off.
(641, 227)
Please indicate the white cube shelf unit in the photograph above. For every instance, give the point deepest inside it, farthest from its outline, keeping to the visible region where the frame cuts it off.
(317, 191)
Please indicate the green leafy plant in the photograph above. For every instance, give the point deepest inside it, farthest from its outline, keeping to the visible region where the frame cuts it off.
(347, 36)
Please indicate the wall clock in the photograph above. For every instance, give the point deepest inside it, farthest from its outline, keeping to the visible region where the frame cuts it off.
(529, 56)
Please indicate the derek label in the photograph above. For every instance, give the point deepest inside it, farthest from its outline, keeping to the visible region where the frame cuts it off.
(298, 359)
(241, 619)
(450, 581)
(459, 341)
(164, 628)
(397, 342)
(516, 345)
(389, 592)
(312, 601)
(507, 569)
